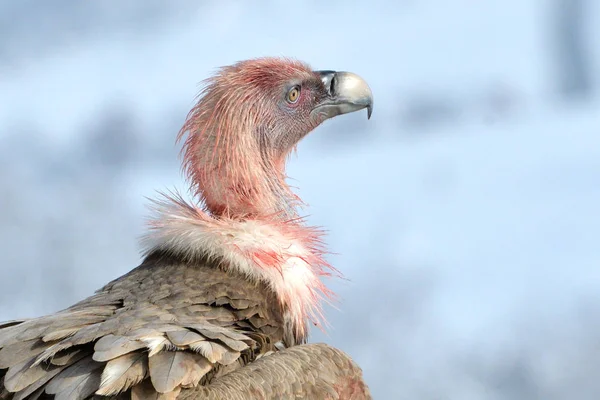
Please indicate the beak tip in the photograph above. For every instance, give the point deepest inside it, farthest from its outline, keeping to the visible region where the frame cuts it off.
(369, 111)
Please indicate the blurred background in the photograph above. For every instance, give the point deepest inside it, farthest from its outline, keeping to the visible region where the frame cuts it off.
(464, 215)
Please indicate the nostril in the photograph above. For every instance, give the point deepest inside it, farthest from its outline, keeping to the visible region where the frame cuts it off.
(332, 85)
(329, 79)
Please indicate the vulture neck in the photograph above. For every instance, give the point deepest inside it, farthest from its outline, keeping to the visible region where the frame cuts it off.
(235, 167)
(258, 192)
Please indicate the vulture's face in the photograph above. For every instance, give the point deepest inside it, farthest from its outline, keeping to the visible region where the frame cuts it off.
(308, 98)
(280, 101)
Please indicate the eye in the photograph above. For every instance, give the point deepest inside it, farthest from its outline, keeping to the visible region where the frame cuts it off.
(293, 94)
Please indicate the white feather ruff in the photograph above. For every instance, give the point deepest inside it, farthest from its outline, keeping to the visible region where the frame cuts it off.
(261, 250)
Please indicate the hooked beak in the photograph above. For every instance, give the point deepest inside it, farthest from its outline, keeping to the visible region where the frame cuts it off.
(346, 93)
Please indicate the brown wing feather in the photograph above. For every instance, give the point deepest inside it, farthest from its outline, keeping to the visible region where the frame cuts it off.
(123, 372)
(21, 351)
(76, 382)
(107, 342)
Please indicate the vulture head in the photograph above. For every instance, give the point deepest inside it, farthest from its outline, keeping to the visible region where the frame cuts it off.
(249, 118)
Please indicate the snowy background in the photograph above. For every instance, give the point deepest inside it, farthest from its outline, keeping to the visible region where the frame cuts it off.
(465, 214)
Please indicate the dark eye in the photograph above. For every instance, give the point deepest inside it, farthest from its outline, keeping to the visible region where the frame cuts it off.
(293, 94)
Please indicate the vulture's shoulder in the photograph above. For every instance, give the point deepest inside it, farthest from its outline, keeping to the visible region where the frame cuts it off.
(310, 371)
(164, 326)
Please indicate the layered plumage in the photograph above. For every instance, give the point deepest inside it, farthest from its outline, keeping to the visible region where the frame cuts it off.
(229, 280)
